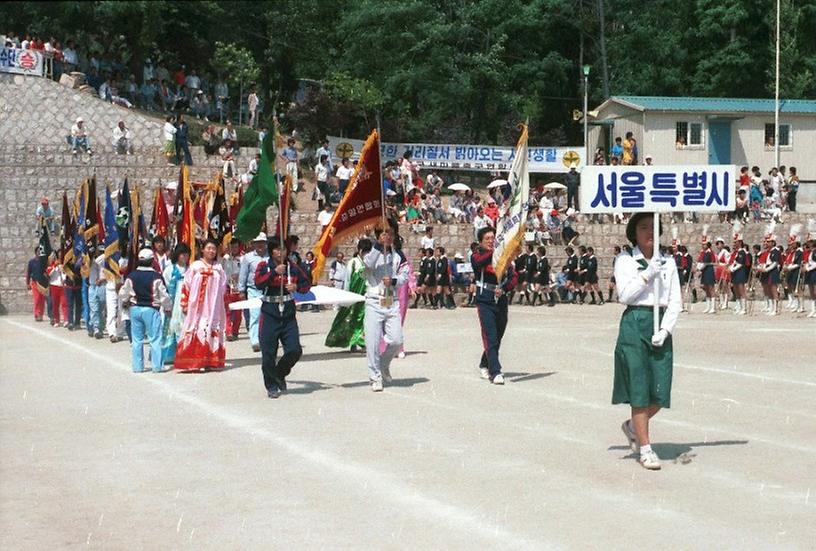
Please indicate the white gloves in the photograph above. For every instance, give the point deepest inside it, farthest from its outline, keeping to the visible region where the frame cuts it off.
(651, 270)
(700, 266)
(659, 337)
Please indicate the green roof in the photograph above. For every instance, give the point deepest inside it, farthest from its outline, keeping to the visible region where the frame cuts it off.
(719, 105)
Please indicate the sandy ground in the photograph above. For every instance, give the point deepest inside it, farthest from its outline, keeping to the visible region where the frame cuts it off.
(93, 456)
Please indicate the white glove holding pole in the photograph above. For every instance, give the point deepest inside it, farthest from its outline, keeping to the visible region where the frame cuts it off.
(649, 273)
(659, 338)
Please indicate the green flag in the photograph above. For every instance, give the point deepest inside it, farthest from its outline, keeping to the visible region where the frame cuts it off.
(261, 193)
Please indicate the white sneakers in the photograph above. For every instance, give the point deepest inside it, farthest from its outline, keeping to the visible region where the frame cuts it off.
(376, 386)
(484, 373)
(498, 379)
(649, 460)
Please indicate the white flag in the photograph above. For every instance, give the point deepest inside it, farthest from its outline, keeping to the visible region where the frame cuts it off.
(511, 223)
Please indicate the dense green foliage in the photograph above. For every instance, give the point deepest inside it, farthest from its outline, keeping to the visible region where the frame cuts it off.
(455, 70)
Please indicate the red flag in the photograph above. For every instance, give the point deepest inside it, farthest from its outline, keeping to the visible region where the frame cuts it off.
(361, 207)
(159, 220)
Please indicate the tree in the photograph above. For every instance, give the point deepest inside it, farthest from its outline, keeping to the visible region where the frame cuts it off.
(238, 66)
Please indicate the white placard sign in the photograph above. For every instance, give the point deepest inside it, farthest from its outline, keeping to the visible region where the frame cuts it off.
(22, 62)
(485, 158)
(658, 188)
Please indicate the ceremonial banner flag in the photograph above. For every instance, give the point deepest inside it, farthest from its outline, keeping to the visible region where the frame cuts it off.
(112, 252)
(79, 238)
(44, 251)
(67, 256)
(361, 207)
(159, 220)
(218, 220)
(91, 228)
(282, 225)
(185, 228)
(261, 193)
(236, 201)
(513, 217)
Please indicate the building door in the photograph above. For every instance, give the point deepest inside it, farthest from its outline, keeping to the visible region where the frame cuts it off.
(719, 142)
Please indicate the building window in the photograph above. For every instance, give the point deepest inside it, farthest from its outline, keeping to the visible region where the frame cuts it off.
(688, 134)
(784, 135)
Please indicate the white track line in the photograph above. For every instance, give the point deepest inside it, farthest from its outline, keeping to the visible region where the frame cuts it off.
(423, 507)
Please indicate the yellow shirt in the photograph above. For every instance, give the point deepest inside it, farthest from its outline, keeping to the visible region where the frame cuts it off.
(627, 152)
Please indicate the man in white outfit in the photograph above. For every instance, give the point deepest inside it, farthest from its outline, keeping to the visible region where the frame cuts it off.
(385, 271)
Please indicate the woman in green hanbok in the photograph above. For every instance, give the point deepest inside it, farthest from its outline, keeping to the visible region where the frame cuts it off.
(173, 276)
(347, 327)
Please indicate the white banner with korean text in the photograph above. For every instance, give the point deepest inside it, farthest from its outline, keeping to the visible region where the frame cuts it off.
(23, 62)
(484, 158)
(658, 188)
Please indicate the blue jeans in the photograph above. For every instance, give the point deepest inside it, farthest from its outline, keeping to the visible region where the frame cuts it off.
(254, 317)
(96, 304)
(86, 309)
(73, 297)
(146, 321)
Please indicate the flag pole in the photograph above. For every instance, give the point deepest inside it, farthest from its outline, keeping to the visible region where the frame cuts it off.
(656, 256)
(281, 228)
(382, 190)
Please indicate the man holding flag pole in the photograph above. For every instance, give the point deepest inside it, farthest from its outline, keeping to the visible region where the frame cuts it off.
(493, 265)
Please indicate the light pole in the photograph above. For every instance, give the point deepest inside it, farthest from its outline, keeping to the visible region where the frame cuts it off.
(585, 69)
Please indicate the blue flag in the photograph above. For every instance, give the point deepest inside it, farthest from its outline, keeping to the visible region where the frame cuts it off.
(112, 253)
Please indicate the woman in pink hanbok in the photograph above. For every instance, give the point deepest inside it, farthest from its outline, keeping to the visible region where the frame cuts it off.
(404, 293)
(201, 345)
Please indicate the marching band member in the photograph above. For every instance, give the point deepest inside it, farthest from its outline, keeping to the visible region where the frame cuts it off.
(644, 359)
(721, 273)
(706, 262)
(792, 268)
(768, 268)
(809, 262)
(491, 303)
(739, 265)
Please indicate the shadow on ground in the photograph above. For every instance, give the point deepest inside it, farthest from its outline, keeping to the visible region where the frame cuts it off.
(403, 383)
(522, 377)
(668, 450)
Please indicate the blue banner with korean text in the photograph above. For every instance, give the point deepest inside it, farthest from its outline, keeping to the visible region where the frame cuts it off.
(486, 158)
(658, 188)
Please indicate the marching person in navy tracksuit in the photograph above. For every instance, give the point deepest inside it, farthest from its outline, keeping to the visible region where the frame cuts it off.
(278, 280)
(491, 303)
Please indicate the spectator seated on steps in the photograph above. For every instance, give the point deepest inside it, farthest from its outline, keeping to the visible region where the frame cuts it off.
(122, 139)
(78, 138)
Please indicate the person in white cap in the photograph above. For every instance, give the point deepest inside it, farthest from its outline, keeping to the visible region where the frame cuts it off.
(246, 284)
(144, 293)
(647, 161)
(79, 137)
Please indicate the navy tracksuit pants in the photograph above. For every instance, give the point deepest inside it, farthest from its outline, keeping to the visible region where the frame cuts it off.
(278, 328)
(493, 321)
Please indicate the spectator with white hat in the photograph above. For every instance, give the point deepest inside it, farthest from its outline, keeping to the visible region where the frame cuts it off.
(79, 137)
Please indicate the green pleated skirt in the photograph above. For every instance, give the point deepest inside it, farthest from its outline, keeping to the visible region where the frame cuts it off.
(643, 373)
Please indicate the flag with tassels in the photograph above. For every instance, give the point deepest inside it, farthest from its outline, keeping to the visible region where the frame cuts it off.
(67, 256)
(159, 220)
(44, 251)
(513, 217)
(361, 207)
(79, 228)
(185, 224)
(235, 202)
(285, 205)
(112, 251)
(218, 219)
(260, 195)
